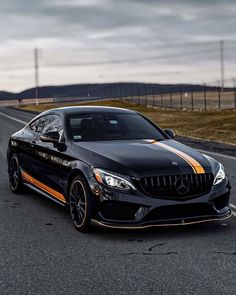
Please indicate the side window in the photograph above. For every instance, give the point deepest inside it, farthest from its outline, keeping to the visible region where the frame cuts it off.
(54, 124)
(33, 125)
(46, 123)
(39, 124)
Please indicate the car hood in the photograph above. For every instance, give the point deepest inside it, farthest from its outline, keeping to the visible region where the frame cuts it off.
(143, 156)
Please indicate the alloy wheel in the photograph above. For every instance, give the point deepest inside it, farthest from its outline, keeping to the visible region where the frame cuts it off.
(78, 203)
(14, 173)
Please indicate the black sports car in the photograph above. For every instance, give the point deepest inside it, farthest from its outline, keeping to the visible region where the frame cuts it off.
(115, 168)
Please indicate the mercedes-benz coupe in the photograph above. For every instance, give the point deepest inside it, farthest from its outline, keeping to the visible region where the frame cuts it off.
(115, 168)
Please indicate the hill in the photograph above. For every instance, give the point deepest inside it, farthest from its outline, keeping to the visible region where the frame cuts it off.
(104, 90)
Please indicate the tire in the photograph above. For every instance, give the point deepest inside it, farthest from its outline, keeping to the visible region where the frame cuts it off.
(80, 204)
(15, 178)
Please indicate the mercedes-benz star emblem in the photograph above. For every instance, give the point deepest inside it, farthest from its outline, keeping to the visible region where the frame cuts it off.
(182, 185)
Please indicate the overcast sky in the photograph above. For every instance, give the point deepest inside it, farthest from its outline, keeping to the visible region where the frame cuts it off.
(84, 41)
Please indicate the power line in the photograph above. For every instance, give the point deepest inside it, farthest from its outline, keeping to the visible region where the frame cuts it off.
(120, 61)
(131, 60)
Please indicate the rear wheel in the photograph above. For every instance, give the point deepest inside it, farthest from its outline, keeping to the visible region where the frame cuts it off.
(15, 179)
(80, 203)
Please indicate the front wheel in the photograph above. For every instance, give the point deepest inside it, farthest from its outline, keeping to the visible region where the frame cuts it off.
(15, 180)
(80, 203)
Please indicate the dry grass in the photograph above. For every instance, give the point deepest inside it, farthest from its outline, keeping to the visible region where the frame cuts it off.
(212, 125)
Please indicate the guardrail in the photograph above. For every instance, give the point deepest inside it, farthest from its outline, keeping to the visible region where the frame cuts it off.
(22, 102)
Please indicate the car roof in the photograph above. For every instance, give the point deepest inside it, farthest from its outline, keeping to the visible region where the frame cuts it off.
(87, 109)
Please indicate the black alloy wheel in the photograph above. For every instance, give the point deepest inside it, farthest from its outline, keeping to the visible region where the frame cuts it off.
(80, 203)
(15, 179)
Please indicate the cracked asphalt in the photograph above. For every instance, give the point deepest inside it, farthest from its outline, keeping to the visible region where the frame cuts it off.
(42, 253)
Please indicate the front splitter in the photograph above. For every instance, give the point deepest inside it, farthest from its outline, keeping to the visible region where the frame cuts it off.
(181, 223)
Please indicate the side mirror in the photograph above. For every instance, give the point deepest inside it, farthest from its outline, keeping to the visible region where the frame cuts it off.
(170, 132)
(50, 136)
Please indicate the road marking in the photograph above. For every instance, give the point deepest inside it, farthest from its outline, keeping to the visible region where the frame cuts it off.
(217, 154)
(232, 205)
(15, 119)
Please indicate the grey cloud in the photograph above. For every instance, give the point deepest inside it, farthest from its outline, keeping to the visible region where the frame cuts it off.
(93, 31)
(176, 19)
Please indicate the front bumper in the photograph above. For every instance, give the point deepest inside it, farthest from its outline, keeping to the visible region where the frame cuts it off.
(160, 224)
(135, 210)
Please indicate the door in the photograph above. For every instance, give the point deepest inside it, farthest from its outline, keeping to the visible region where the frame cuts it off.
(50, 166)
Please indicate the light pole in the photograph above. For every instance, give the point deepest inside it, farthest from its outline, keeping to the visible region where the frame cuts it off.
(222, 66)
(36, 75)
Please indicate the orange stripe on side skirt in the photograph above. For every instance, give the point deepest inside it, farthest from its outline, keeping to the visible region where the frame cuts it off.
(196, 166)
(43, 187)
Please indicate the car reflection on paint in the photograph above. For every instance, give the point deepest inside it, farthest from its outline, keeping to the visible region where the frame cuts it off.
(115, 168)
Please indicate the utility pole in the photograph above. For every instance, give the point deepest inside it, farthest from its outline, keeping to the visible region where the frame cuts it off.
(222, 67)
(36, 75)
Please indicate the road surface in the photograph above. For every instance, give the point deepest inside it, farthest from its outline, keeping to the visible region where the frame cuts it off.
(42, 253)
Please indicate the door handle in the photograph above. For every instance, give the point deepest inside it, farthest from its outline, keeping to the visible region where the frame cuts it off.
(33, 142)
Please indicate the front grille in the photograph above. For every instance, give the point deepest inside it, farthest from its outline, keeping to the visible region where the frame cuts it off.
(177, 186)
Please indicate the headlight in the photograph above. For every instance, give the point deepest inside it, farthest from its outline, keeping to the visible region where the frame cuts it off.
(208, 157)
(112, 180)
(220, 175)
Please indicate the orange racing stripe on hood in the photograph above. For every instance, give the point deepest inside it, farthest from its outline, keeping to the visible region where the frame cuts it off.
(195, 165)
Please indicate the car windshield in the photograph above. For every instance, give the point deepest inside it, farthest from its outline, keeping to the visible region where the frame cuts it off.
(111, 126)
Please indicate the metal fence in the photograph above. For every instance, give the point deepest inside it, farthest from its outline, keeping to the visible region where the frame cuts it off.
(190, 97)
(205, 100)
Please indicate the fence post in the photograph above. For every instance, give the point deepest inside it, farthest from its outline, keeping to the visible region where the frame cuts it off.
(234, 97)
(181, 98)
(133, 92)
(171, 102)
(161, 98)
(138, 94)
(145, 91)
(219, 98)
(130, 93)
(153, 96)
(110, 91)
(192, 102)
(205, 101)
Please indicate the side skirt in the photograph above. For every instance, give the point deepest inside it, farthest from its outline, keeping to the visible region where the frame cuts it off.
(42, 188)
(44, 194)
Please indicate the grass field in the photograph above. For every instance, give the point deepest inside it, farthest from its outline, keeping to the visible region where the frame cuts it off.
(212, 125)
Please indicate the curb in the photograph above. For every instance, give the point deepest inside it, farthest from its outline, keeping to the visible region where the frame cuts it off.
(211, 146)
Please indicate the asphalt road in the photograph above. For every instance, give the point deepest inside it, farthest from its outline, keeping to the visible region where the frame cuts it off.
(42, 253)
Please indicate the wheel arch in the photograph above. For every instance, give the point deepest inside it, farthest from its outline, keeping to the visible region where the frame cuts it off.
(81, 171)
